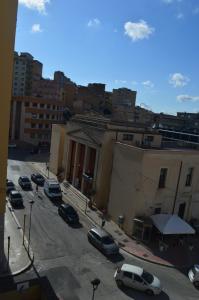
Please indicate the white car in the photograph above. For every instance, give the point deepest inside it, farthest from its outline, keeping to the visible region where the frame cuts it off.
(52, 189)
(194, 275)
(137, 278)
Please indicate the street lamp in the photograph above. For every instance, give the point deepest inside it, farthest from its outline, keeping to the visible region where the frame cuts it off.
(95, 284)
(31, 204)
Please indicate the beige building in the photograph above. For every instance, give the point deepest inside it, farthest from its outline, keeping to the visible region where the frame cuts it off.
(149, 181)
(8, 11)
(31, 119)
(83, 151)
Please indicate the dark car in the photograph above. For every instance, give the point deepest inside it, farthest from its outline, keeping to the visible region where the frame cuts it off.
(15, 198)
(68, 213)
(38, 179)
(103, 241)
(9, 186)
(25, 183)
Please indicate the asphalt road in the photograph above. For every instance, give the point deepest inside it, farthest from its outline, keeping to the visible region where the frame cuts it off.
(65, 257)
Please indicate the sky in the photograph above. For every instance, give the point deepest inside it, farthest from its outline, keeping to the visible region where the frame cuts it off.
(151, 46)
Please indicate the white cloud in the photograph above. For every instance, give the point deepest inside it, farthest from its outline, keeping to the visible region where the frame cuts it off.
(187, 98)
(36, 28)
(180, 16)
(94, 23)
(138, 31)
(119, 81)
(148, 83)
(178, 80)
(39, 5)
(171, 1)
(134, 82)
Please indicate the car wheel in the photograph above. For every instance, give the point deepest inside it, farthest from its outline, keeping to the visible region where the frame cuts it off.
(150, 292)
(120, 283)
(196, 284)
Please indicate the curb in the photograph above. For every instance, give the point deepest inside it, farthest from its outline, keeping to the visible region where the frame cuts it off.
(95, 223)
(30, 256)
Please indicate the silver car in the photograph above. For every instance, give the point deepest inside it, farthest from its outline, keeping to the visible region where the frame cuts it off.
(137, 278)
(103, 241)
(194, 275)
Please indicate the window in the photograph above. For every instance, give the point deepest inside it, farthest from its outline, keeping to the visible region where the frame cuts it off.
(189, 177)
(162, 179)
(96, 236)
(40, 136)
(127, 274)
(127, 137)
(46, 125)
(34, 116)
(40, 125)
(53, 117)
(33, 125)
(47, 116)
(53, 106)
(48, 106)
(32, 135)
(157, 210)
(41, 105)
(34, 104)
(41, 116)
(137, 278)
(150, 138)
(27, 104)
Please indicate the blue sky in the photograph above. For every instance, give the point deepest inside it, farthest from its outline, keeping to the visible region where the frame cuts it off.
(151, 46)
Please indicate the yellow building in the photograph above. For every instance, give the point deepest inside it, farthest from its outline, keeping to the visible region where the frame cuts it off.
(82, 150)
(8, 10)
(150, 181)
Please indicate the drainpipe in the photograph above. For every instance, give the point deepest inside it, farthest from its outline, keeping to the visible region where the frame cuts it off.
(177, 187)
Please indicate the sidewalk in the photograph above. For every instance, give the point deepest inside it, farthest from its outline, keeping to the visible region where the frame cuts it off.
(176, 258)
(19, 261)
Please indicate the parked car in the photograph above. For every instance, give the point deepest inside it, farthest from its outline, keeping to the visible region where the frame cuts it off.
(137, 278)
(15, 198)
(194, 275)
(38, 179)
(52, 189)
(9, 186)
(68, 213)
(103, 241)
(25, 183)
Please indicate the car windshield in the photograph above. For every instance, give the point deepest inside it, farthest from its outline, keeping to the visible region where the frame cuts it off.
(10, 183)
(70, 211)
(25, 179)
(55, 189)
(195, 270)
(39, 176)
(16, 195)
(147, 277)
(107, 240)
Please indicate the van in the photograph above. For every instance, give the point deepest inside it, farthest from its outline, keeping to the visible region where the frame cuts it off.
(52, 189)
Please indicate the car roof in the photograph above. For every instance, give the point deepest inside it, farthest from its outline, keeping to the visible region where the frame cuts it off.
(37, 174)
(66, 205)
(132, 269)
(15, 192)
(52, 181)
(24, 177)
(101, 232)
(9, 181)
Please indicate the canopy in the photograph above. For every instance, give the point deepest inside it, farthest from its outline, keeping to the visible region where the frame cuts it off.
(171, 224)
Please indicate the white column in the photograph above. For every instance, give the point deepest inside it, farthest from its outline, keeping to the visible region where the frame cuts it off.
(95, 169)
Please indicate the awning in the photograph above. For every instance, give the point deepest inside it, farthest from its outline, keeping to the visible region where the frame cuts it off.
(171, 224)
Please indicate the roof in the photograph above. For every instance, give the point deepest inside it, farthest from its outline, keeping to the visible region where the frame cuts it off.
(132, 269)
(15, 193)
(100, 231)
(171, 224)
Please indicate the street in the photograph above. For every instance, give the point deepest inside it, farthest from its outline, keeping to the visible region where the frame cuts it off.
(70, 262)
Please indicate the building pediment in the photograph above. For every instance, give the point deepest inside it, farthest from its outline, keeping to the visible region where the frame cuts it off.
(84, 136)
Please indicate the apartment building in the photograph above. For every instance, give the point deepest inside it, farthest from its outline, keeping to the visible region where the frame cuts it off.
(26, 70)
(8, 11)
(31, 119)
(151, 181)
(83, 151)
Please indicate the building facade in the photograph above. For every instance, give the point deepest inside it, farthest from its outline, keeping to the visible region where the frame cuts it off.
(86, 157)
(8, 11)
(26, 70)
(31, 119)
(151, 181)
